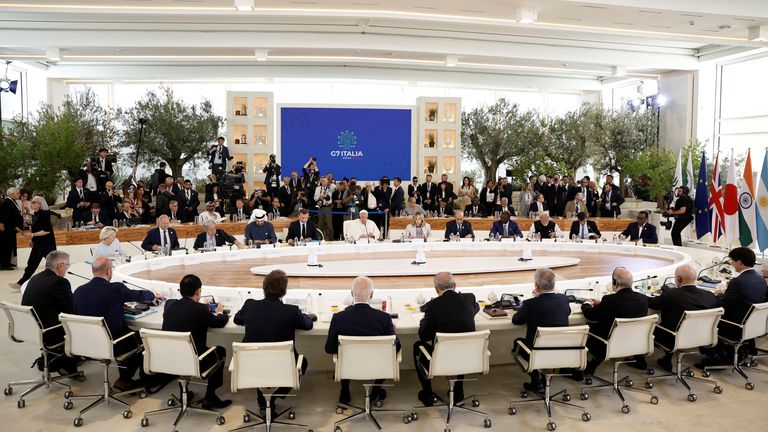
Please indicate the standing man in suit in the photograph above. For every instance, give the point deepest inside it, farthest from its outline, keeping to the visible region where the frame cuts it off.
(161, 238)
(397, 202)
(414, 190)
(102, 298)
(79, 199)
(104, 168)
(271, 320)
(218, 158)
(215, 236)
(449, 312)
(110, 200)
(303, 229)
(323, 194)
(673, 302)
(11, 222)
(610, 203)
(50, 294)
(189, 201)
(428, 194)
(360, 319)
(683, 213)
(746, 289)
(546, 308)
(505, 227)
(623, 303)
(285, 194)
(459, 226)
(189, 315)
(272, 175)
(583, 228)
(593, 199)
(641, 230)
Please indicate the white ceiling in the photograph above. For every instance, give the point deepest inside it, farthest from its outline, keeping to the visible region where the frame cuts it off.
(91, 39)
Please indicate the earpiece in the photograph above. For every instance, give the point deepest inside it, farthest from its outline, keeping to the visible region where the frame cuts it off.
(613, 275)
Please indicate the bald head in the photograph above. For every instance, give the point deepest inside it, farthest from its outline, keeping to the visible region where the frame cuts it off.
(444, 281)
(623, 278)
(362, 289)
(685, 275)
(102, 267)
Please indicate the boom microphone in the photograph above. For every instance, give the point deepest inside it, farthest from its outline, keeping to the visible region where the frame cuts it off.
(80, 276)
(140, 249)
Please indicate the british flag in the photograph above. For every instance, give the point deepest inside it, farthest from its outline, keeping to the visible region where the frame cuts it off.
(716, 203)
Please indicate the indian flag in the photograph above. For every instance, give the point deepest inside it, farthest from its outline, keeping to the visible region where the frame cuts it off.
(762, 207)
(747, 229)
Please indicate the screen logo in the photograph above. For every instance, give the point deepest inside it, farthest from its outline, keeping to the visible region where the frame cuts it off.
(347, 143)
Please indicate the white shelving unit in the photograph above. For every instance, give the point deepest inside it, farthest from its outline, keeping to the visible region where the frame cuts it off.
(250, 132)
(439, 138)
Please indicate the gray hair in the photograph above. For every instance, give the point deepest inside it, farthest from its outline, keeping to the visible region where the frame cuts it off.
(159, 218)
(100, 265)
(623, 278)
(362, 288)
(54, 258)
(444, 281)
(107, 232)
(363, 211)
(544, 279)
(208, 223)
(11, 191)
(544, 213)
(687, 273)
(40, 200)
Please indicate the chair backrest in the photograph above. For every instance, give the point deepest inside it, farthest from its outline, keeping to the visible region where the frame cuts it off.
(460, 354)
(756, 321)
(23, 323)
(698, 328)
(631, 336)
(86, 336)
(263, 365)
(367, 358)
(170, 352)
(559, 347)
(346, 225)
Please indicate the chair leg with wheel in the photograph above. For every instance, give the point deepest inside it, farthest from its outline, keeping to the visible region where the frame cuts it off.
(106, 397)
(617, 385)
(45, 380)
(549, 400)
(267, 419)
(182, 404)
(682, 376)
(367, 411)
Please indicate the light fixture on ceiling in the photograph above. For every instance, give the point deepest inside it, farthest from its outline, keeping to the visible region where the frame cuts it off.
(526, 15)
(53, 54)
(758, 33)
(6, 85)
(244, 5)
(451, 60)
(261, 54)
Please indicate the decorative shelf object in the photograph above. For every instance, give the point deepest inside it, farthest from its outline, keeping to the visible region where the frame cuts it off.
(250, 131)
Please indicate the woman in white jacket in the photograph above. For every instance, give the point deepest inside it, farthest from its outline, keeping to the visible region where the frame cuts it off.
(418, 228)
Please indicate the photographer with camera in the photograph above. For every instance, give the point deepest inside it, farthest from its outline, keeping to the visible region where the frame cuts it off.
(232, 185)
(683, 213)
(219, 156)
(272, 175)
(311, 174)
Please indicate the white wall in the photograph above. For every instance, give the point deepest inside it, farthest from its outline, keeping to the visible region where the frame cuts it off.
(677, 117)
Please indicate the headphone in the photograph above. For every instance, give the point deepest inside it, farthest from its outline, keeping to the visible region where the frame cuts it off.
(613, 275)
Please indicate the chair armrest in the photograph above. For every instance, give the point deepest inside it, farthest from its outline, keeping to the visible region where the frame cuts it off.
(203, 355)
(598, 338)
(400, 356)
(731, 323)
(518, 345)
(299, 362)
(51, 328)
(425, 353)
(335, 358)
(123, 337)
(667, 330)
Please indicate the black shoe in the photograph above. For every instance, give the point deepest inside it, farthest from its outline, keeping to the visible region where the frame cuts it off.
(575, 375)
(378, 394)
(427, 398)
(344, 397)
(534, 387)
(215, 403)
(665, 364)
(709, 362)
(7, 268)
(638, 364)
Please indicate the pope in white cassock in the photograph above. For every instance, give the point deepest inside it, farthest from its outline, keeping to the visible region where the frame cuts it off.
(363, 227)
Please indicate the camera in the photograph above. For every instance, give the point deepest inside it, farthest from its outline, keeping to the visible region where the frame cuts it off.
(667, 223)
(272, 158)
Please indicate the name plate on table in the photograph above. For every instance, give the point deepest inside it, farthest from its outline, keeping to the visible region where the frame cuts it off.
(417, 240)
(527, 254)
(548, 240)
(467, 240)
(508, 240)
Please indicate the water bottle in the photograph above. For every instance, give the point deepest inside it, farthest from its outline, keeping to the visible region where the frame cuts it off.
(295, 241)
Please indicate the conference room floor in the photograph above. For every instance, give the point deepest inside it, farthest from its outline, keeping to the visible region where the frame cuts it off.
(736, 409)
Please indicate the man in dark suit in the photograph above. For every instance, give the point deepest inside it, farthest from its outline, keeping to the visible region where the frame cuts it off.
(414, 190)
(102, 298)
(545, 309)
(125, 214)
(673, 302)
(737, 298)
(475, 209)
(549, 191)
(96, 217)
(584, 228)
(50, 294)
(110, 200)
(360, 319)
(189, 201)
(610, 202)
(271, 320)
(218, 157)
(397, 202)
(505, 227)
(459, 226)
(213, 235)
(78, 199)
(429, 194)
(173, 212)
(641, 230)
(444, 208)
(285, 194)
(161, 237)
(189, 315)
(449, 312)
(240, 211)
(303, 228)
(163, 199)
(593, 200)
(11, 222)
(104, 170)
(623, 303)
(539, 204)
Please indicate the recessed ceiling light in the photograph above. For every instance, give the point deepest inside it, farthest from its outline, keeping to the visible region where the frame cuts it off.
(261, 54)
(244, 5)
(525, 15)
(451, 60)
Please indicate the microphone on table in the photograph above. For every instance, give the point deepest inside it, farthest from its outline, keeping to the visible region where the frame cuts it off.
(153, 302)
(80, 276)
(664, 285)
(643, 279)
(140, 249)
(574, 299)
(708, 279)
(134, 285)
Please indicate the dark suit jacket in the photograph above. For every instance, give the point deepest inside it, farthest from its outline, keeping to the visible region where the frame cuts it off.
(743, 291)
(246, 211)
(110, 203)
(153, 238)
(433, 188)
(10, 217)
(470, 211)
(649, 233)
(623, 304)
(674, 301)
(49, 294)
(397, 202)
(591, 228)
(102, 298)
(513, 229)
(546, 310)
(358, 320)
(73, 199)
(294, 230)
(193, 203)
(534, 207)
(447, 210)
(224, 154)
(615, 198)
(222, 238)
(104, 218)
(414, 192)
(451, 312)
(187, 315)
(271, 320)
(452, 228)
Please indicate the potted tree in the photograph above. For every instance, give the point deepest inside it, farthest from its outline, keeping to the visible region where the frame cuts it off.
(431, 140)
(432, 114)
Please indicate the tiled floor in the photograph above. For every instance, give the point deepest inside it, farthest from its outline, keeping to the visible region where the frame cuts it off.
(736, 409)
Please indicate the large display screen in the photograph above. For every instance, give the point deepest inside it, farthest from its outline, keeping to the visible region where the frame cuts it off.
(365, 143)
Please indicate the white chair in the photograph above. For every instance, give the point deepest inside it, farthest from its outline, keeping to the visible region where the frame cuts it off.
(367, 358)
(696, 329)
(754, 325)
(346, 225)
(174, 353)
(267, 367)
(628, 337)
(24, 326)
(553, 348)
(89, 337)
(456, 354)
